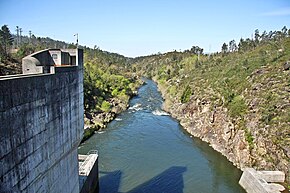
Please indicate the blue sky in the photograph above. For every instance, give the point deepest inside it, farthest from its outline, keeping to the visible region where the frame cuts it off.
(143, 27)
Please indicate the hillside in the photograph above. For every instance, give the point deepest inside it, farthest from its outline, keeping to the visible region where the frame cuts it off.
(10, 62)
(10, 66)
(108, 86)
(108, 80)
(237, 100)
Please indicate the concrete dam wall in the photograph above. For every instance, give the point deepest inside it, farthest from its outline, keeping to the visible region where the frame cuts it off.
(41, 124)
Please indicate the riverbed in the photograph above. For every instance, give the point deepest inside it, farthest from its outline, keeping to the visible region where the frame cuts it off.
(146, 150)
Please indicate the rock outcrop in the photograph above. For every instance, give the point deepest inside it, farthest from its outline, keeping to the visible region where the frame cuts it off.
(97, 121)
(244, 147)
(214, 127)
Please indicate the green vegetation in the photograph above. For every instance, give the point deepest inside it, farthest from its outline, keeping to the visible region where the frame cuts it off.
(109, 81)
(8, 63)
(249, 139)
(246, 78)
(237, 107)
(186, 95)
(106, 76)
(12, 50)
(88, 133)
(6, 41)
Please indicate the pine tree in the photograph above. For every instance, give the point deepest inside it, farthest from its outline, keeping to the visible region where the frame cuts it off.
(232, 46)
(6, 41)
(224, 48)
(257, 37)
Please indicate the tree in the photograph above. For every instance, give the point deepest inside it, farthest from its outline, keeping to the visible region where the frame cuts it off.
(224, 48)
(271, 34)
(241, 45)
(6, 40)
(33, 39)
(196, 50)
(284, 31)
(245, 45)
(257, 37)
(264, 36)
(232, 46)
(25, 49)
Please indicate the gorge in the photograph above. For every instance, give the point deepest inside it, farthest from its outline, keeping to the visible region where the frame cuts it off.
(145, 150)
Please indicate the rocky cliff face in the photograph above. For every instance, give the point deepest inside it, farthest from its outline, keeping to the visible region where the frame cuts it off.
(212, 126)
(250, 147)
(237, 101)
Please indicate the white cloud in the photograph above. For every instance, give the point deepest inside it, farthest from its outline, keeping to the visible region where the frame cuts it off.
(280, 12)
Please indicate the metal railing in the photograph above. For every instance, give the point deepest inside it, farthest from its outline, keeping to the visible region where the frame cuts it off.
(93, 152)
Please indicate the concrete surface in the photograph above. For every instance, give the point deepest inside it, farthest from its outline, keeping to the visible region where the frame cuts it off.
(41, 127)
(257, 181)
(89, 172)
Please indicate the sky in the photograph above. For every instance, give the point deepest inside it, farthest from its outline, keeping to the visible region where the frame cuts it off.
(143, 27)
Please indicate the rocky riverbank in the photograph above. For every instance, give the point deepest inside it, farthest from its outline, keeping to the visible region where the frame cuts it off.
(213, 125)
(98, 121)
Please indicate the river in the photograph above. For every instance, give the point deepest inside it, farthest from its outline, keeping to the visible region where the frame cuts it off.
(145, 150)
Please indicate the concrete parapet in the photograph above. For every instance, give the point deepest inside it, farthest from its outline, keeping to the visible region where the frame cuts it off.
(44, 61)
(38, 62)
(89, 172)
(32, 66)
(272, 176)
(257, 181)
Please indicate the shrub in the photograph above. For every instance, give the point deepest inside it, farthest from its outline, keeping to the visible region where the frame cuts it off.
(249, 139)
(106, 106)
(172, 90)
(186, 95)
(237, 107)
(115, 92)
(88, 133)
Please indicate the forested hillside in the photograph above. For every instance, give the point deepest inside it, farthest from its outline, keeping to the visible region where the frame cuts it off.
(237, 100)
(108, 86)
(108, 80)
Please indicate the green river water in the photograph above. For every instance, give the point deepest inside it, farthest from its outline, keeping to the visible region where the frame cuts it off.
(145, 150)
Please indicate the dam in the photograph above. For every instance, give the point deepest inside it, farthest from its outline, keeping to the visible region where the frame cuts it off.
(41, 116)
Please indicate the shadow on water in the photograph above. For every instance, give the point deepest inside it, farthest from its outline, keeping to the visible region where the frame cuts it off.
(169, 181)
(110, 181)
(206, 170)
(224, 176)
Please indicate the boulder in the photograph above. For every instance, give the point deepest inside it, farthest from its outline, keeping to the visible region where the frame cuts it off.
(286, 66)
